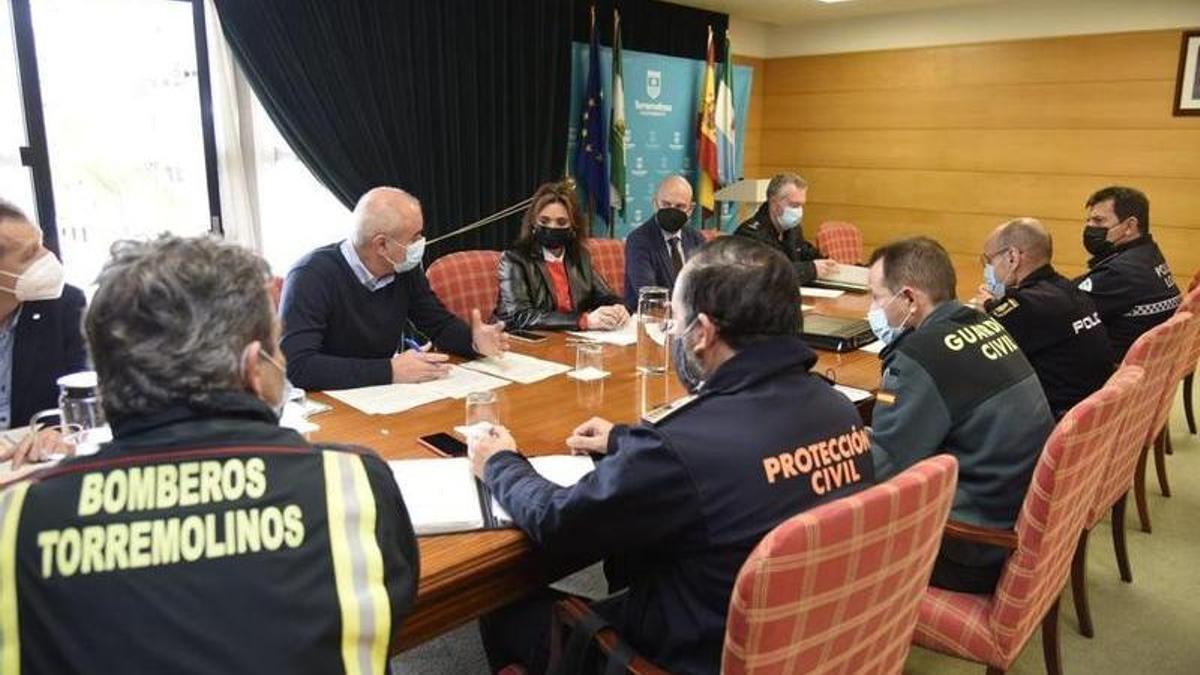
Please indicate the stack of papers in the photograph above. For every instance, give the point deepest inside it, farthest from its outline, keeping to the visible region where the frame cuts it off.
(854, 275)
(813, 292)
(873, 348)
(855, 395)
(517, 367)
(389, 399)
(442, 495)
(621, 337)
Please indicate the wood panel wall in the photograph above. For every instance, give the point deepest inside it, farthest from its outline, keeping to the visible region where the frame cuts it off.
(951, 141)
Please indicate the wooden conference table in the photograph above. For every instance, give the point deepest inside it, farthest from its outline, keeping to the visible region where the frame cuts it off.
(466, 575)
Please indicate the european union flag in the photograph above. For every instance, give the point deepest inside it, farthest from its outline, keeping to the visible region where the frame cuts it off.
(591, 172)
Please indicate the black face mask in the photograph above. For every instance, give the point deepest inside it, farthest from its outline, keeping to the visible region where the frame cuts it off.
(554, 237)
(1095, 240)
(670, 220)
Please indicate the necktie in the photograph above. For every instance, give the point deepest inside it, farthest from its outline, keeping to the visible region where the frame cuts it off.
(676, 256)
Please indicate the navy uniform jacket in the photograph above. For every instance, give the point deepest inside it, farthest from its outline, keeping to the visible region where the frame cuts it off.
(678, 505)
(1061, 333)
(48, 344)
(793, 245)
(648, 261)
(1133, 289)
(205, 541)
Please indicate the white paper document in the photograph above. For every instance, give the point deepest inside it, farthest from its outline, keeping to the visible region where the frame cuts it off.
(813, 292)
(622, 337)
(388, 399)
(855, 395)
(562, 470)
(517, 367)
(462, 381)
(847, 274)
(873, 348)
(806, 308)
(441, 494)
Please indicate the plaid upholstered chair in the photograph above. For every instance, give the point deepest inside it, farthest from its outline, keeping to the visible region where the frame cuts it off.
(841, 242)
(993, 629)
(1115, 481)
(1190, 304)
(466, 280)
(1159, 351)
(608, 258)
(832, 590)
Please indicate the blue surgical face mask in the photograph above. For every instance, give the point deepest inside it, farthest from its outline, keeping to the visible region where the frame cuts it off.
(791, 217)
(413, 253)
(877, 317)
(994, 285)
(689, 372)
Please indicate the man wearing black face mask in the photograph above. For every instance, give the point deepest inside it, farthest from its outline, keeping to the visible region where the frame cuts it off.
(657, 249)
(1127, 278)
(678, 501)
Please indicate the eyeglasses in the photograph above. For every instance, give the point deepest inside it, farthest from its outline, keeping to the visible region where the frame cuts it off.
(985, 259)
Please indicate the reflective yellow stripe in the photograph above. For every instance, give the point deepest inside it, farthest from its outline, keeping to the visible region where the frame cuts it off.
(342, 570)
(10, 634)
(357, 564)
(377, 592)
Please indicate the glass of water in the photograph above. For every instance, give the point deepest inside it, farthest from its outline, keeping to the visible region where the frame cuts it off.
(654, 309)
(482, 407)
(589, 361)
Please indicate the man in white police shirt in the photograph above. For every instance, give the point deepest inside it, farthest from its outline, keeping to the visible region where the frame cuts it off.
(204, 538)
(1054, 323)
(1127, 276)
(676, 504)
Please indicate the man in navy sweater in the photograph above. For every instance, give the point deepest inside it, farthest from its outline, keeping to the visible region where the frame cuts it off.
(345, 306)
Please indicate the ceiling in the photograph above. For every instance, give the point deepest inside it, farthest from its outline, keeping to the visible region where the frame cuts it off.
(792, 12)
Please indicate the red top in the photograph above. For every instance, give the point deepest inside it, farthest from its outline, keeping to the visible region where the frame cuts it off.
(561, 287)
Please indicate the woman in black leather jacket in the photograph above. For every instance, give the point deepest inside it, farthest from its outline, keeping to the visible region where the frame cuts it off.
(546, 277)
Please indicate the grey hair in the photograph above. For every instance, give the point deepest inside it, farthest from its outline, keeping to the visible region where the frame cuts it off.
(376, 212)
(171, 319)
(782, 180)
(1027, 235)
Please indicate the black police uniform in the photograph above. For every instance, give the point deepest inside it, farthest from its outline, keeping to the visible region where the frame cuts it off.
(205, 541)
(1133, 289)
(678, 504)
(793, 245)
(1061, 333)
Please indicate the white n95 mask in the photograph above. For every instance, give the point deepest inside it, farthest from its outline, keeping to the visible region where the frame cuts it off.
(43, 280)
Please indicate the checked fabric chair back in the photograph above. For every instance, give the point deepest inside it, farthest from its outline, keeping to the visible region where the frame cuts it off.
(841, 242)
(466, 280)
(608, 259)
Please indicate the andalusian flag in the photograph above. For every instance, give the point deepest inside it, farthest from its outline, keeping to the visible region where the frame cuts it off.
(725, 127)
(706, 144)
(616, 128)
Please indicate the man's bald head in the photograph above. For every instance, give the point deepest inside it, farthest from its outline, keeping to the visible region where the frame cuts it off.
(674, 192)
(388, 211)
(1027, 235)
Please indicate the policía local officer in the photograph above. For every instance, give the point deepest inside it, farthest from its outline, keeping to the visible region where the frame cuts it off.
(685, 498)
(954, 381)
(1054, 323)
(205, 538)
(777, 224)
(1127, 277)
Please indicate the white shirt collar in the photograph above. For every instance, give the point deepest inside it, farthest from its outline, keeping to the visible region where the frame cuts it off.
(550, 257)
(360, 270)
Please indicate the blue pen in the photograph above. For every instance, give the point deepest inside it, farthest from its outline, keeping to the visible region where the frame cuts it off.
(411, 344)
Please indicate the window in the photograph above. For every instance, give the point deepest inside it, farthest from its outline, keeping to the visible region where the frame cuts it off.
(15, 183)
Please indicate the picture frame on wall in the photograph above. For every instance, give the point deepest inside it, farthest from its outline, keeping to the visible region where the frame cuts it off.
(1187, 82)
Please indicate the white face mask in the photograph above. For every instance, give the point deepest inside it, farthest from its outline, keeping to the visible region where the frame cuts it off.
(791, 217)
(43, 280)
(413, 253)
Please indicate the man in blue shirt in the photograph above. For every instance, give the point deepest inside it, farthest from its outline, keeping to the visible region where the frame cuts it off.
(345, 306)
(40, 334)
(657, 249)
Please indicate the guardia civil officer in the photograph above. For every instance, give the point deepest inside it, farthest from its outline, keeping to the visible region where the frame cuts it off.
(1054, 323)
(954, 381)
(777, 224)
(204, 538)
(677, 503)
(1127, 276)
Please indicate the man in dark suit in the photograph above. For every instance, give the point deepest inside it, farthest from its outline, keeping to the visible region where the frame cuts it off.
(40, 330)
(658, 248)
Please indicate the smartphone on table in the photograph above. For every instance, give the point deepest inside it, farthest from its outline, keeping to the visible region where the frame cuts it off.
(444, 444)
(526, 336)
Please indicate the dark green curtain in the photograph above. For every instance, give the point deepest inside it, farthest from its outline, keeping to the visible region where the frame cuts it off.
(461, 102)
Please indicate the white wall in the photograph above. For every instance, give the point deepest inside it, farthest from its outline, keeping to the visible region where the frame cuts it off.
(1014, 20)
